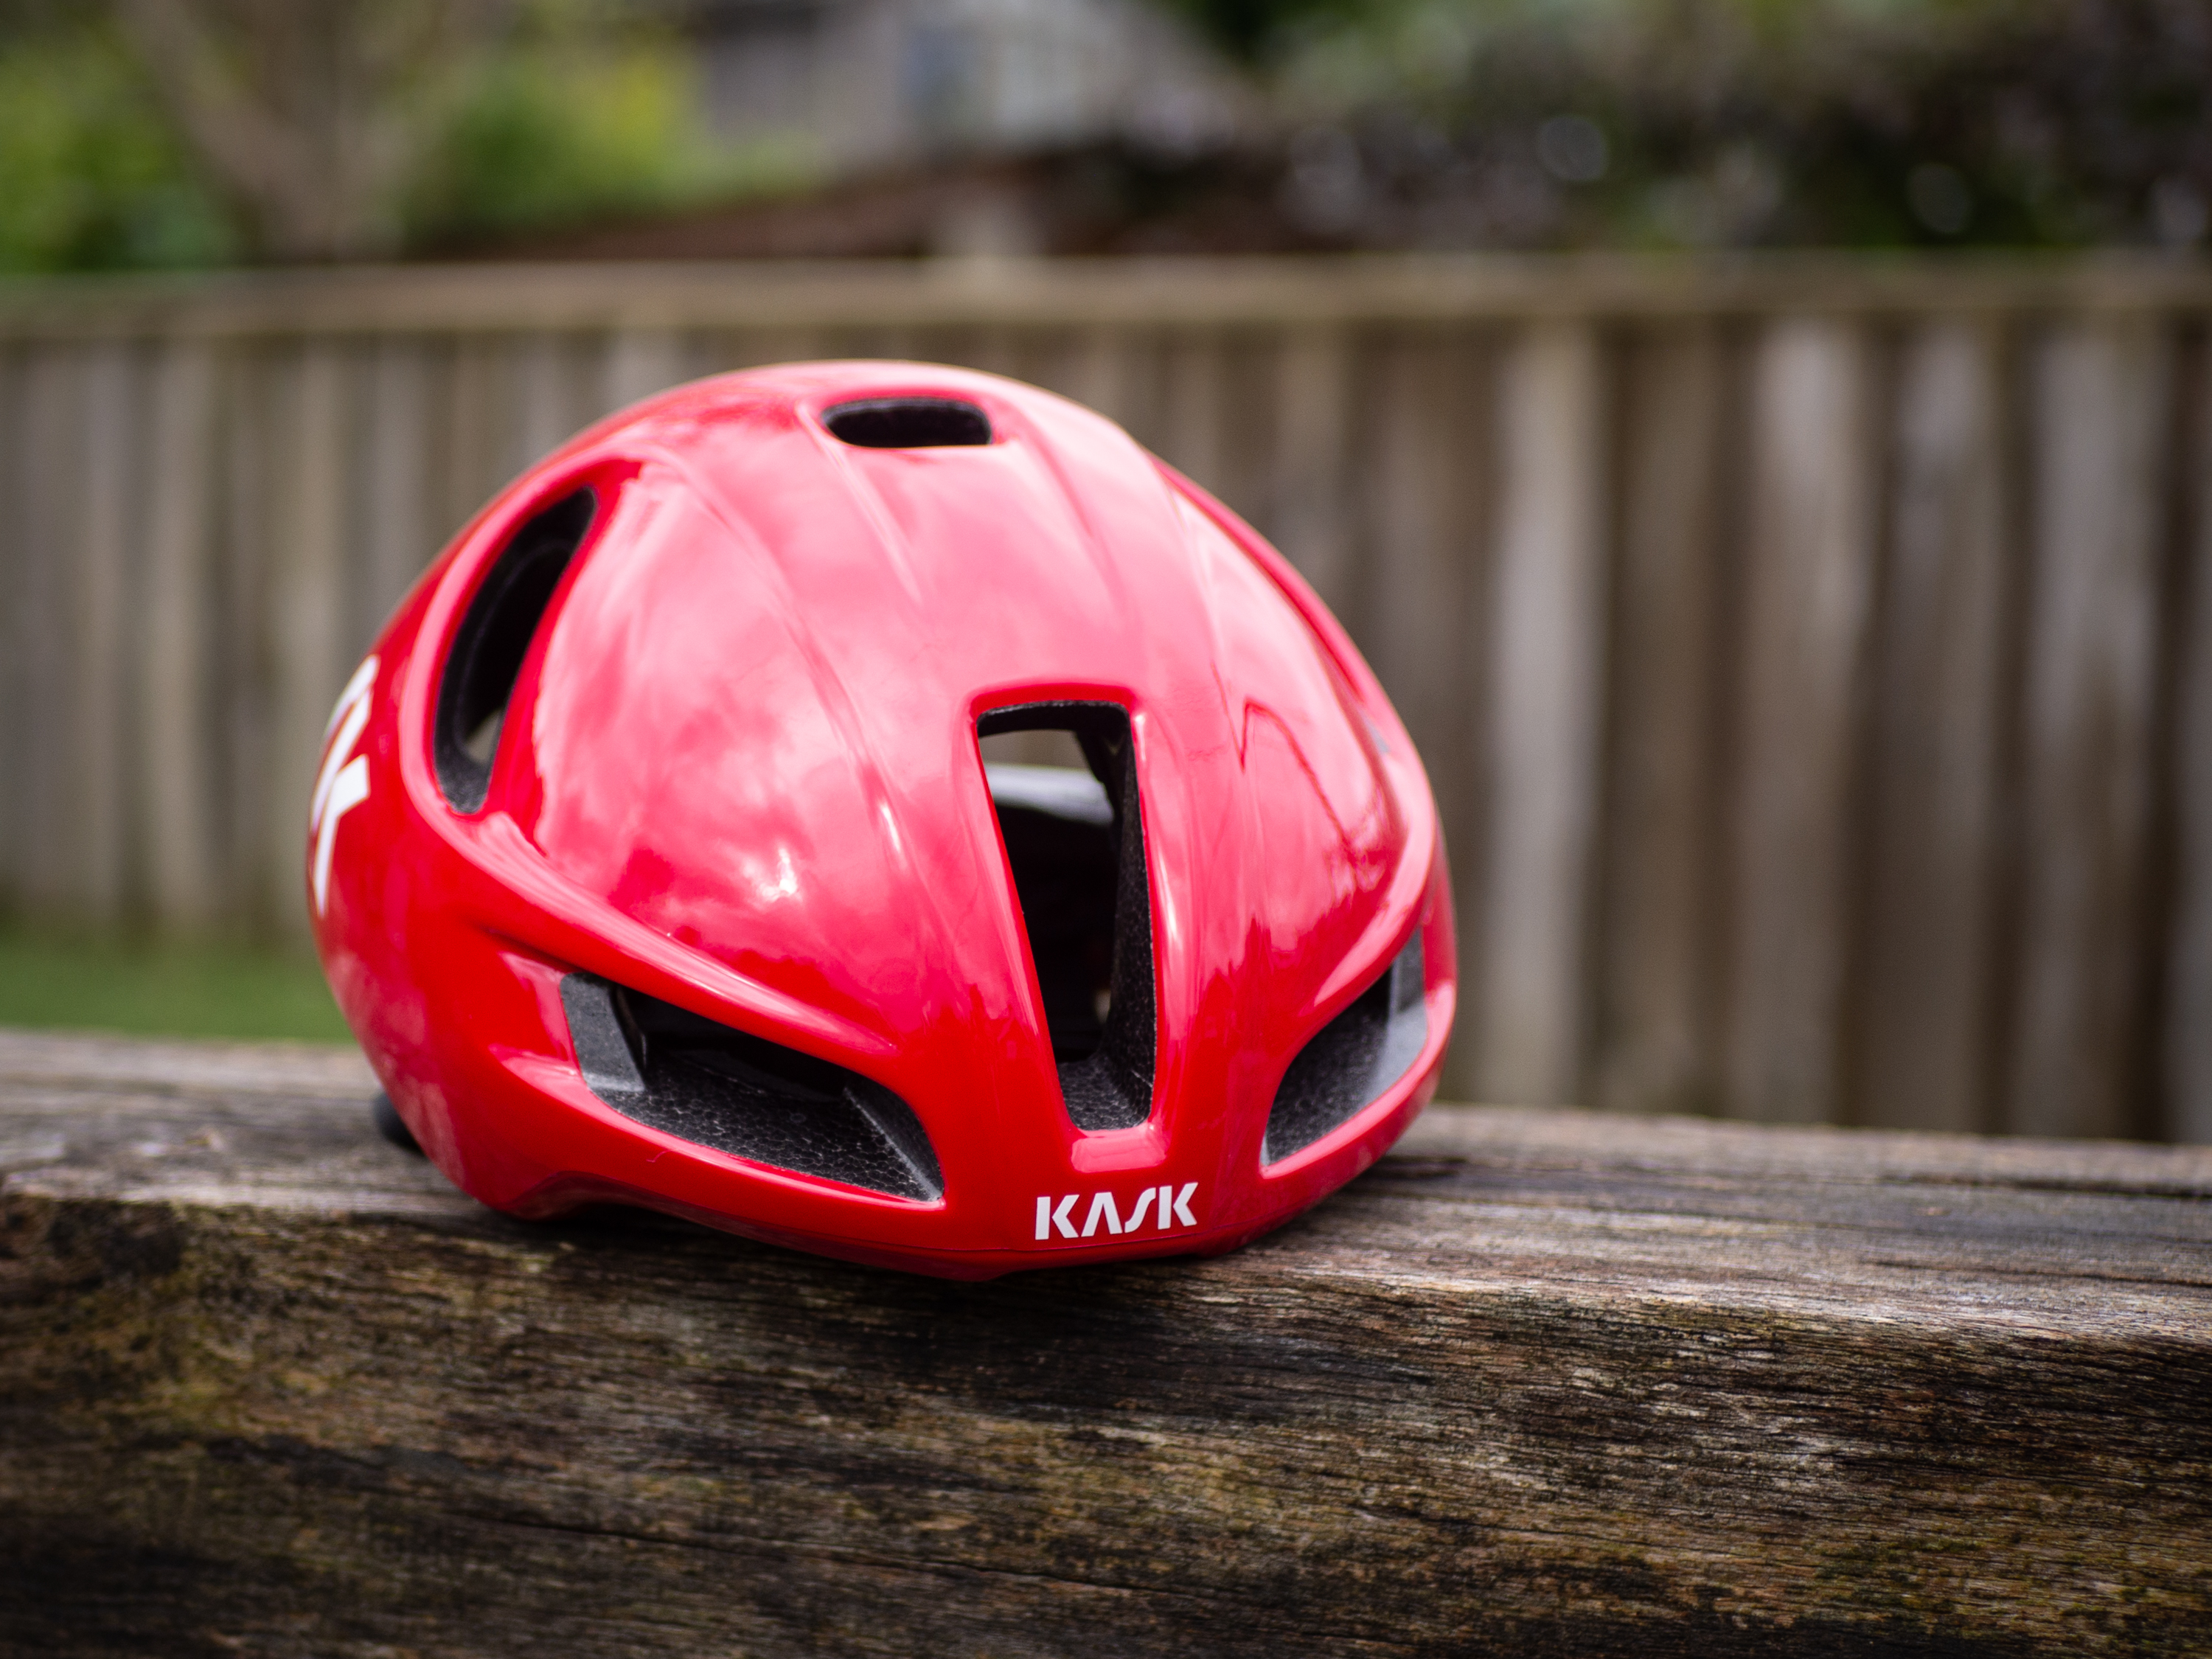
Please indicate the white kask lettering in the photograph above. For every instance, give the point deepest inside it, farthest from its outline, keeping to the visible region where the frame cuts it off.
(1163, 1207)
(342, 783)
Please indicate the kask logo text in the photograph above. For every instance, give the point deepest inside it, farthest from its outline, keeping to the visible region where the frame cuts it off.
(1161, 1208)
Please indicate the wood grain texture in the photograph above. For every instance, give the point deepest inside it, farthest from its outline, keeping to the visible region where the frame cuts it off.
(1540, 1382)
(1929, 975)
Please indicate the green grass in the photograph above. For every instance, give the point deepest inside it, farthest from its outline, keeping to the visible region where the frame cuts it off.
(218, 991)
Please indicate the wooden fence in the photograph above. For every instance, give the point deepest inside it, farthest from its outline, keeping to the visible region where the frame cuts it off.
(1814, 657)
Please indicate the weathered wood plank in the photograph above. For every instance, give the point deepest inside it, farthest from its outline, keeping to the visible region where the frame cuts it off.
(1545, 717)
(1542, 1382)
(1808, 581)
(1925, 1037)
(2088, 714)
(1654, 976)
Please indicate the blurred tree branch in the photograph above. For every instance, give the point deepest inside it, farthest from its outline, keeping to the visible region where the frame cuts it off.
(308, 115)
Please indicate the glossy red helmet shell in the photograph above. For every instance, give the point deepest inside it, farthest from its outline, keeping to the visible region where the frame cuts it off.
(654, 858)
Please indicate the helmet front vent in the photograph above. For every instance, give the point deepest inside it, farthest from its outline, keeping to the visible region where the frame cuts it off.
(494, 638)
(1073, 831)
(910, 423)
(715, 1086)
(1352, 1060)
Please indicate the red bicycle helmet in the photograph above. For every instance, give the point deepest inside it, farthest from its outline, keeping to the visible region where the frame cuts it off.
(663, 852)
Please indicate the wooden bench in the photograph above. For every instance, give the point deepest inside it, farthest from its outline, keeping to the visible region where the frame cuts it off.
(1542, 1383)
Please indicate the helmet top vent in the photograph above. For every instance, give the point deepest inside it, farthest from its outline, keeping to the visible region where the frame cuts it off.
(909, 423)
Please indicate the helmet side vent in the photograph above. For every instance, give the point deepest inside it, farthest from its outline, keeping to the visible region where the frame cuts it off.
(494, 638)
(1063, 782)
(715, 1086)
(909, 423)
(1352, 1060)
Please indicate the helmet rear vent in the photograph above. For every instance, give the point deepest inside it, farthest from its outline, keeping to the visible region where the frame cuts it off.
(494, 638)
(1063, 780)
(910, 423)
(1352, 1060)
(715, 1086)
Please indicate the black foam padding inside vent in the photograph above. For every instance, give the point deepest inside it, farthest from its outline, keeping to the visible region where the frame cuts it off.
(910, 423)
(494, 638)
(1353, 1059)
(707, 1083)
(1086, 903)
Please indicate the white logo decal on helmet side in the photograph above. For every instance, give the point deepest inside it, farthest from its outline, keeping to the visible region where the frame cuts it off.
(342, 783)
(1167, 1208)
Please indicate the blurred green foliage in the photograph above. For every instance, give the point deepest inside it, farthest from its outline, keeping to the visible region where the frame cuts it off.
(92, 177)
(1739, 122)
(571, 111)
(64, 981)
(568, 130)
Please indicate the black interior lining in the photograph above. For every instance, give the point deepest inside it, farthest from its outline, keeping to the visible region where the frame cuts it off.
(1352, 1060)
(1086, 905)
(494, 638)
(715, 1086)
(909, 423)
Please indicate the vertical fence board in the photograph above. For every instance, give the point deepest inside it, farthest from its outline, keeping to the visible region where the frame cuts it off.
(640, 362)
(14, 619)
(307, 612)
(52, 506)
(2088, 708)
(1305, 515)
(1426, 441)
(1936, 729)
(98, 643)
(538, 386)
(175, 710)
(398, 531)
(1808, 579)
(1196, 389)
(477, 441)
(2187, 1051)
(1654, 1021)
(1545, 695)
(248, 386)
